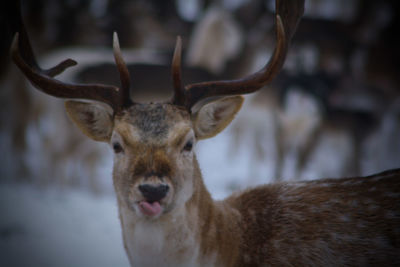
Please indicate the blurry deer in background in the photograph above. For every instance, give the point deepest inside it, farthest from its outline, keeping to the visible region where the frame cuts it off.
(218, 25)
(311, 125)
(167, 215)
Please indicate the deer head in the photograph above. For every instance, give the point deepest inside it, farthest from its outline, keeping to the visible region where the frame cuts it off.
(155, 169)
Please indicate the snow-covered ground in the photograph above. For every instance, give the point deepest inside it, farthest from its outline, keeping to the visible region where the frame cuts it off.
(49, 227)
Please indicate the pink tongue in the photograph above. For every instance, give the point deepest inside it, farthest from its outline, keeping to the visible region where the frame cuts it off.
(150, 209)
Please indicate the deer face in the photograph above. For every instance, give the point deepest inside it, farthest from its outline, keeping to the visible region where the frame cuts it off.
(154, 169)
(154, 166)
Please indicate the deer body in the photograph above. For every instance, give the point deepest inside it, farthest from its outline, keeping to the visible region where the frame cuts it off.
(167, 215)
(317, 223)
(352, 221)
(333, 222)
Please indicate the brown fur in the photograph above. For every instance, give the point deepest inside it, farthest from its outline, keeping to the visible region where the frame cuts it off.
(322, 223)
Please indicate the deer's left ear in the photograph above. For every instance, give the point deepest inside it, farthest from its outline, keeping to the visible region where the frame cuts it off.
(213, 117)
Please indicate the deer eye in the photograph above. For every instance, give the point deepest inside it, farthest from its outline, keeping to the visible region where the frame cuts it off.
(188, 146)
(117, 147)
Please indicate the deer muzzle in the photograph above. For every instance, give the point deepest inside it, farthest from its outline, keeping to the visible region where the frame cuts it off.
(153, 193)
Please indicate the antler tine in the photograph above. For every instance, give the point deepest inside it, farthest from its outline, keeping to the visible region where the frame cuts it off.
(42, 80)
(179, 94)
(27, 53)
(287, 18)
(125, 97)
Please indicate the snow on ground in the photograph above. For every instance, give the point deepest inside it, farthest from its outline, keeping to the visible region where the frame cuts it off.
(58, 228)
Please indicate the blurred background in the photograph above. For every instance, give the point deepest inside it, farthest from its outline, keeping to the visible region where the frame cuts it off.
(334, 110)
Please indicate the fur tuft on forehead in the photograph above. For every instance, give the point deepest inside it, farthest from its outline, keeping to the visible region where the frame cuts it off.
(153, 121)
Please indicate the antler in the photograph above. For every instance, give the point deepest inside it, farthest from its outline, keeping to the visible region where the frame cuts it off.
(125, 97)
(22, 55)
(288, 14)
(176, 74)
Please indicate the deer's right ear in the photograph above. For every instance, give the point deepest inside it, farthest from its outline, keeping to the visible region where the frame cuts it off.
(94, 120)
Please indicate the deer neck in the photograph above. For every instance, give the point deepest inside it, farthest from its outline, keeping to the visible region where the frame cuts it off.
(198, 233)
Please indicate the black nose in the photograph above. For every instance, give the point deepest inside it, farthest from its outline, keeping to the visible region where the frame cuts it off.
(153, 193)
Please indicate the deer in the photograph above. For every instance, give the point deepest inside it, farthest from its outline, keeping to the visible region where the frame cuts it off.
(168, 216)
